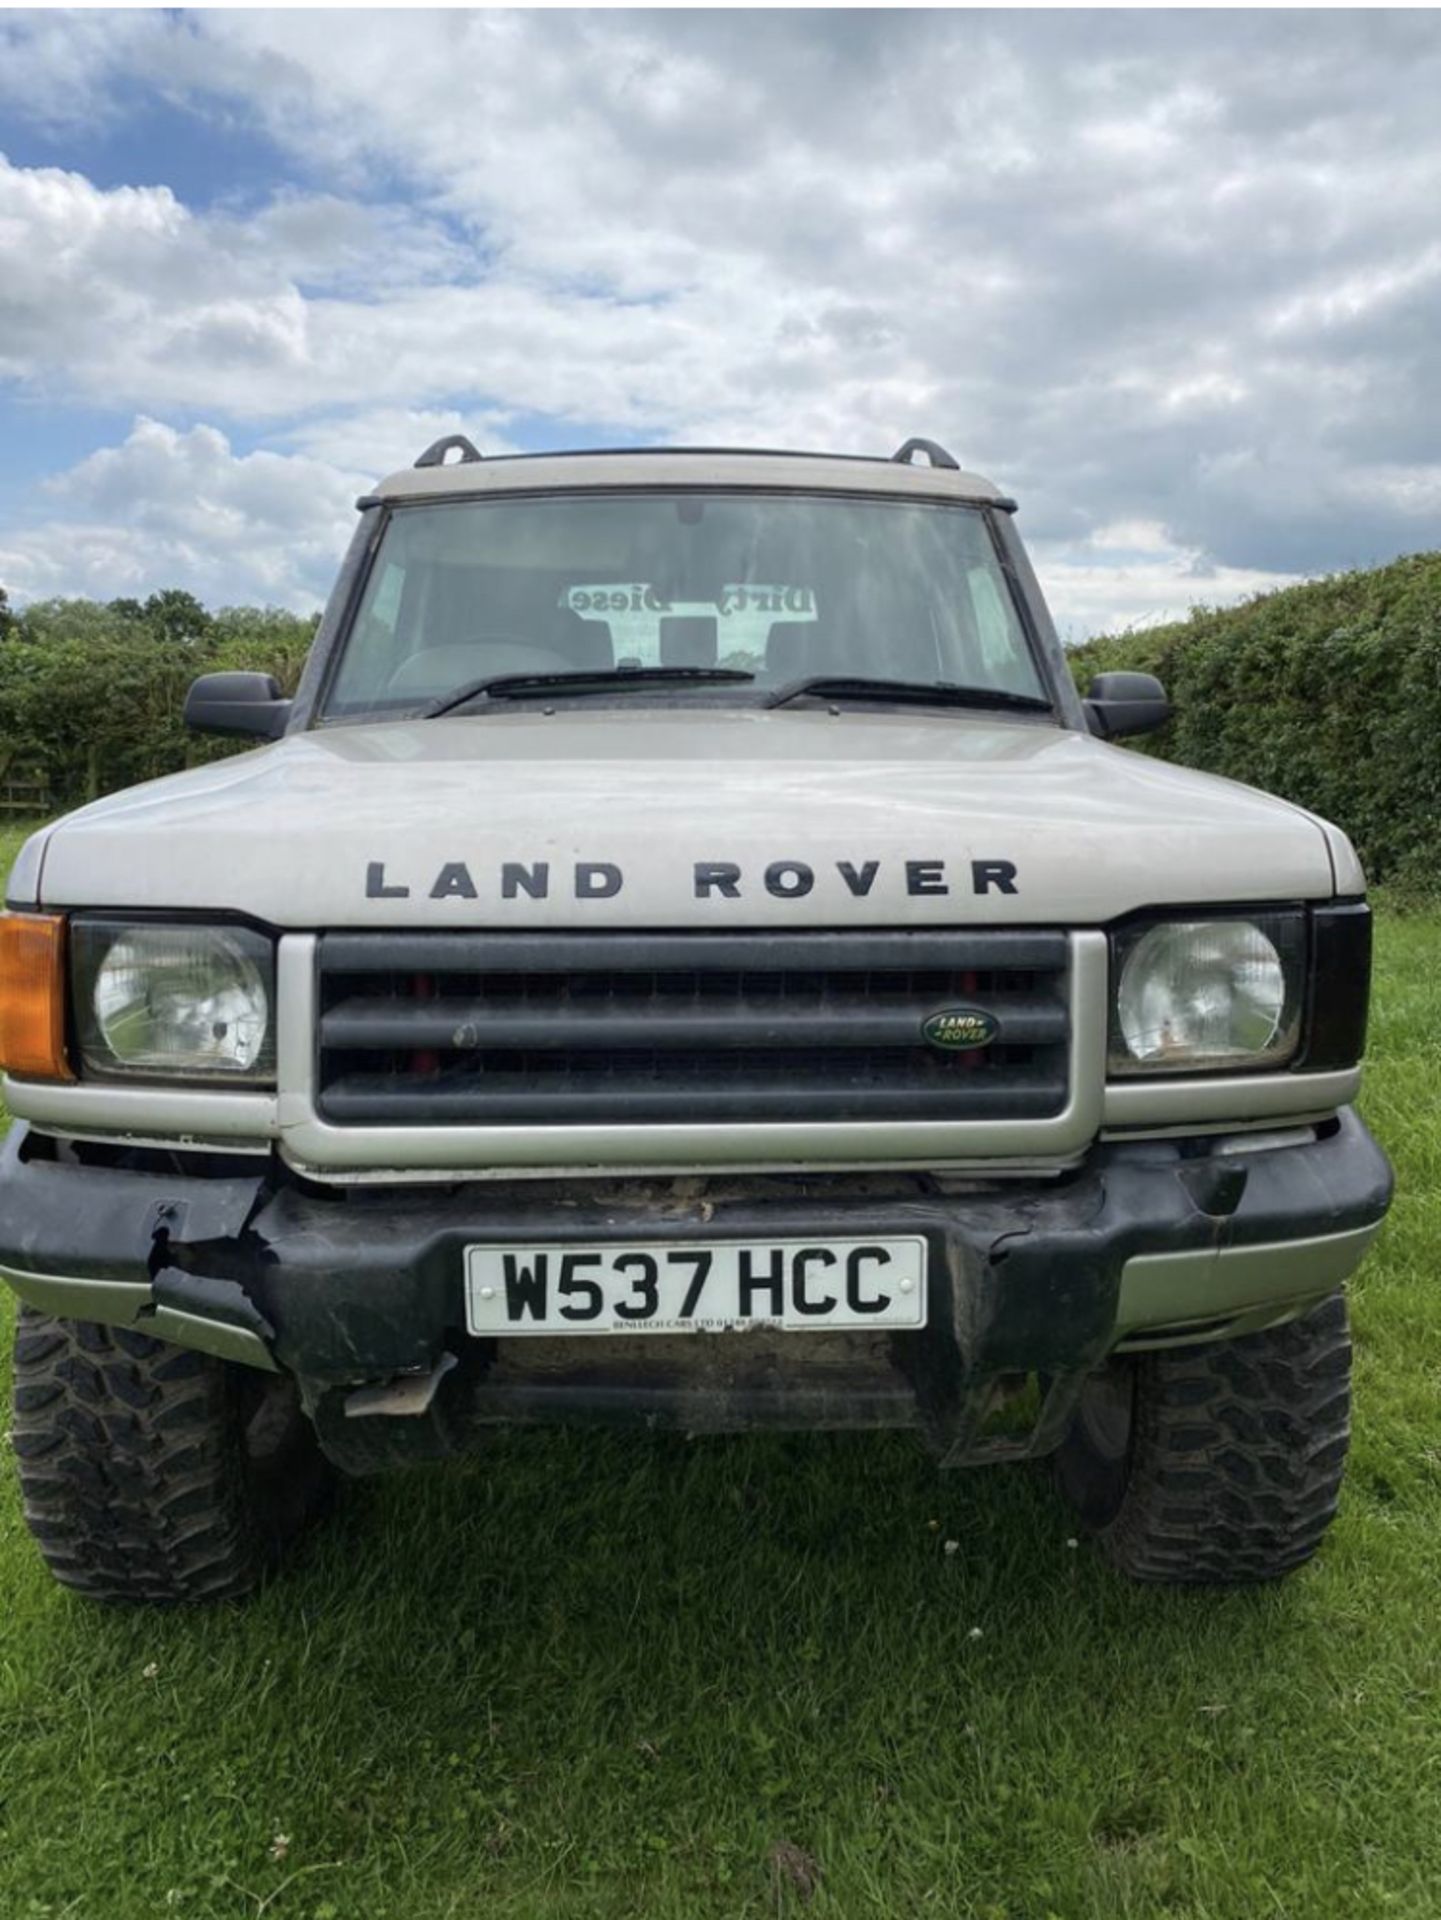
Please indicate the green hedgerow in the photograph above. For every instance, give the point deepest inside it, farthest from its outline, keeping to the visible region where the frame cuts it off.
(1327, 694)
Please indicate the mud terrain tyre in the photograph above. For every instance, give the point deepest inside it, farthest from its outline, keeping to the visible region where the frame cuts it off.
(151, 1473)
(1215, 1464)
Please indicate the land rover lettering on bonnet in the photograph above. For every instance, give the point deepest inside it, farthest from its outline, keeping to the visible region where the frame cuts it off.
(711, 879)
(684, 955)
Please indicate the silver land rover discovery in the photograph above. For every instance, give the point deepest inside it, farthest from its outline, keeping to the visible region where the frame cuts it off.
(686, 955)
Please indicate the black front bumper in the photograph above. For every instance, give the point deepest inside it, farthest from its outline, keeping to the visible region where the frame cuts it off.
(348, 1286)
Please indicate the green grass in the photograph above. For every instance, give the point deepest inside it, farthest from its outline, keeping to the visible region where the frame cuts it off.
(614, 1676)
(10, 838)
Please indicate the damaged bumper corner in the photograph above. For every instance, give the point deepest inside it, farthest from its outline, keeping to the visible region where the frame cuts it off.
(210, 1316)
(139, 1285)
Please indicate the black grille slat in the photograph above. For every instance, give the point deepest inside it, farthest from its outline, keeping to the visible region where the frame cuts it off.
(527, 953)
(373, 1100)
(468, 1025)
(494, 1029)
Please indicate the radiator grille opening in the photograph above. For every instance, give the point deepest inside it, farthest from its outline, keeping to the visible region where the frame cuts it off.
(481, 1028)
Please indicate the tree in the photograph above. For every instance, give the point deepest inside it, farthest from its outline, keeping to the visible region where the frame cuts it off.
(92, 693)
(176, 615)
(7, 618)
(45, 622)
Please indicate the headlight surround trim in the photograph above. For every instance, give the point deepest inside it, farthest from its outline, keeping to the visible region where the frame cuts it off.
(1268, 966)
(1339, 992)
(173, 1001)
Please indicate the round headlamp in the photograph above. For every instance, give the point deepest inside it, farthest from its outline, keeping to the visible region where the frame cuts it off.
(187, 1001)
(1195, 994)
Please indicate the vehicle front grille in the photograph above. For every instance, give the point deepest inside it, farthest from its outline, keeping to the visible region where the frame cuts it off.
(555, 1028)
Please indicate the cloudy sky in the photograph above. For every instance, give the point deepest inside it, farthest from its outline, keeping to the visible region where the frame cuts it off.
(1173, 279)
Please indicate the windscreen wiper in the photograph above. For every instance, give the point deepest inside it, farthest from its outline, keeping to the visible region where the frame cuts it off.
(519, 686)
(926, 693)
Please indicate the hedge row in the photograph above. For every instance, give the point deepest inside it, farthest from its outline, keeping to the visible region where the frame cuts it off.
(91, 698)
(1328, 694)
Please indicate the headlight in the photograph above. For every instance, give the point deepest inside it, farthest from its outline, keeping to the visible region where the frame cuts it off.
(176, 1001)
(1196, 994)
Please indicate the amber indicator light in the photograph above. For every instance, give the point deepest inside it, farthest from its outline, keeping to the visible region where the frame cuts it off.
(32, 996)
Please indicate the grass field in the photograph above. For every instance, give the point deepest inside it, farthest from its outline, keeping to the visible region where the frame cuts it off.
(611, 1676)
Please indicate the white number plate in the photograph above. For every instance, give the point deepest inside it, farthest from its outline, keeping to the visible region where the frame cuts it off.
(690, 1288)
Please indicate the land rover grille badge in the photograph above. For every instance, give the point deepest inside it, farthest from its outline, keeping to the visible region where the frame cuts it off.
(960, 1029)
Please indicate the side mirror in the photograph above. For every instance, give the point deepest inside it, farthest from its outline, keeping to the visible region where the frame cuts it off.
(245, 703)
(1121, 703)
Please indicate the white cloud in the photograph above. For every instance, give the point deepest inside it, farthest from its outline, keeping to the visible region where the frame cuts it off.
(56, 67)
(127, 294)
(182, 509)
(1129, 577)
(103, 290)
(1208, 302)
(377, 440)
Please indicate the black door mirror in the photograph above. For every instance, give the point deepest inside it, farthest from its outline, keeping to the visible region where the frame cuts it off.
(1121, 703)
(246, 703)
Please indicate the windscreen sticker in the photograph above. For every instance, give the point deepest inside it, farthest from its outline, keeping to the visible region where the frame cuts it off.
(739, 599)
(744, 612)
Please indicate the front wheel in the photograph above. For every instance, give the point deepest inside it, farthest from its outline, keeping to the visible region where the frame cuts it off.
(151, 1473)
(1215, 1464)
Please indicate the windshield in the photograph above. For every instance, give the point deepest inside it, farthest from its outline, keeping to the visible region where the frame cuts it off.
(782, 586)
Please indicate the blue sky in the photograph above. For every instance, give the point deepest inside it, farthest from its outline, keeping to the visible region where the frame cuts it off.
(1173, 279)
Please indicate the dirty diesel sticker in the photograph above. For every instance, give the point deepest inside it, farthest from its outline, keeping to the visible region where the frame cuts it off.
(740, 618)
(715, 1288)
(709, 879)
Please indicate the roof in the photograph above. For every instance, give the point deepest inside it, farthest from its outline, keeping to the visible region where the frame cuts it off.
(686, 467)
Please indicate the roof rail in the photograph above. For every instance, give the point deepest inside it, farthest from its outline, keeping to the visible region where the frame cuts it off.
(434, 455)
(937, 455)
